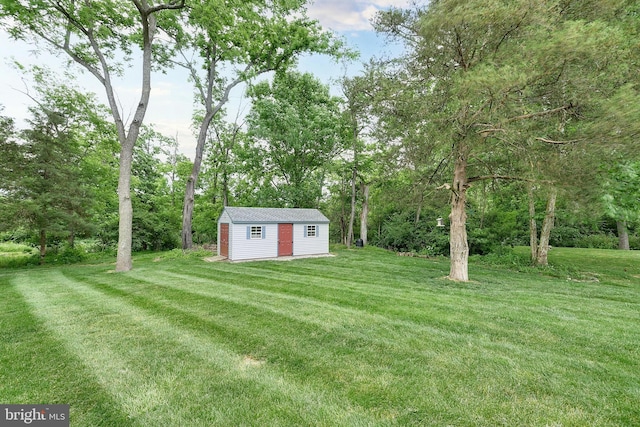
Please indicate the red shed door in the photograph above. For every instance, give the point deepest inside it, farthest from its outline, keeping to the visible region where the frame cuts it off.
(224, 240)
(285, 239)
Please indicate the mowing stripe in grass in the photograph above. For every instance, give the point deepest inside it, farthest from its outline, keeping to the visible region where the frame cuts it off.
(327, 316)
(375, 328)
(419, 302)
(442, 360)
(91, 324)
(385, 374)
(83, 325)
(269, 300)
(304, 343)
(281, 347)
(36, 368)
(427, 317)
(329, 287)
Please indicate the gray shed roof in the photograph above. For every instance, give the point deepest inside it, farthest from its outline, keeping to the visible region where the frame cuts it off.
(274, 215)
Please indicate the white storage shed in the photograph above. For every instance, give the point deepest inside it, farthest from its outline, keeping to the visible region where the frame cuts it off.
(263, 233)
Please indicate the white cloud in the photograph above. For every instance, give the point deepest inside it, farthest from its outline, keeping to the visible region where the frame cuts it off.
(345, 15)
(339, 16)
(370, 12)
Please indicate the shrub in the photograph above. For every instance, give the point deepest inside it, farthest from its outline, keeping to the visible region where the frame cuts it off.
(66, 255)
(480, 241)
(505, 256)
(401, 233)
(597, 241)
(566, 237)
(17, 235)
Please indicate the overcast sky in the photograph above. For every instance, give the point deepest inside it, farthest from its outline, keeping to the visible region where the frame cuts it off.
(171, 104)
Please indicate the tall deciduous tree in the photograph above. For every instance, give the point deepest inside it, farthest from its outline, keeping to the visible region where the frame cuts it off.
(356, 116)
(226, 43)
(296, 126)
(224, 142)
(95, 35)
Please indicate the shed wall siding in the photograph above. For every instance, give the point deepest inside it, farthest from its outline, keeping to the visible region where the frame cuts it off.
(242, 248)
(310, 245)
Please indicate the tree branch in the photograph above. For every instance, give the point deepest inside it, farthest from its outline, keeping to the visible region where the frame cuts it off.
(73, 56)
(171, 5)
(60, 8)
(146, 10)
(541, 113)
(486, 132)
(550, 141)
(505, 177)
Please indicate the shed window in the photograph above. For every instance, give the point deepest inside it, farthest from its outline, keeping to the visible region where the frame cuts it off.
(311, 231)
(255, 232)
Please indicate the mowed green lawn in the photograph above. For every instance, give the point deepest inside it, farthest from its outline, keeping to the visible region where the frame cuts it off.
(364, 338)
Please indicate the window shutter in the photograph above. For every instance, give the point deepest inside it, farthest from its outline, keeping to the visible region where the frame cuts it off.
(318, 230)
(264, 229)
(248, 232)
(305, 230)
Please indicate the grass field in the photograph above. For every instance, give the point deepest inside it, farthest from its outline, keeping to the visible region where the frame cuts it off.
(364, 338)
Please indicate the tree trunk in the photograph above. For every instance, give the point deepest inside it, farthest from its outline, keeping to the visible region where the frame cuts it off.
(547, 225)
(364, 215)
(190, 190)
(352, 215)
(43, 245)
(187, 213)
(174, 171)
(459, 247)
(124, 262)
(225, 173)
(533, 228)
(225, 189)
(623, 235)
(343, 212)
(211, 111)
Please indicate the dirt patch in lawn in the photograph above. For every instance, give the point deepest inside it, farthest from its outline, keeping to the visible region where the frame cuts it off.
(251, 362)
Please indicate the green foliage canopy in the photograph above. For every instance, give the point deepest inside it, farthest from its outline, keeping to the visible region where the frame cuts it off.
(296, 129)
